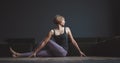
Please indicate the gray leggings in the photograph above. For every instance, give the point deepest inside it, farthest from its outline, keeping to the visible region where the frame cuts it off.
(53, 50)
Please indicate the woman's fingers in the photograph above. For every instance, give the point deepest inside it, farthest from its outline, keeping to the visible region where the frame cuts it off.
(33, 55)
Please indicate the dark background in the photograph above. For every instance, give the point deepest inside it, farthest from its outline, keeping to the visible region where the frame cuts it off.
(33, 18)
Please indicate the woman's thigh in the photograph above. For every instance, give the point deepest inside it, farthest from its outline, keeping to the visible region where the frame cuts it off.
(56, 49)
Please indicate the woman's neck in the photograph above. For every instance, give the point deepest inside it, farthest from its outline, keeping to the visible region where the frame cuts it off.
(59, 27)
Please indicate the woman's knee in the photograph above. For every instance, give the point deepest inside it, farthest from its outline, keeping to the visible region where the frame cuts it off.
(50, 42)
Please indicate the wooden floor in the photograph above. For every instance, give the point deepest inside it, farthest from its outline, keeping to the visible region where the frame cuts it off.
(62, 60)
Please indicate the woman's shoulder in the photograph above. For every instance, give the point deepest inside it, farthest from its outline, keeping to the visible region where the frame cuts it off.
(67, 28)
(52, 31)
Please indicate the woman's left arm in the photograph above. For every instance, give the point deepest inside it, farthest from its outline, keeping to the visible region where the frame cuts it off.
(73, 41)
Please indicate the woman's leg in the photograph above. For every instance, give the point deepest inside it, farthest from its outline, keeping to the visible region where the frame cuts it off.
(56, 49)
(42, 53)
(16, 54)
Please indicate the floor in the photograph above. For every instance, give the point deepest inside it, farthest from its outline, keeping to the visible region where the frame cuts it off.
(62, 60)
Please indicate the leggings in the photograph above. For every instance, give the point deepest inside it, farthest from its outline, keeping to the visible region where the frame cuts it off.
(53, 50)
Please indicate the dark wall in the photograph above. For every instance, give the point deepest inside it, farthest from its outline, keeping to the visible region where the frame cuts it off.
(116, 16)
(33, 18)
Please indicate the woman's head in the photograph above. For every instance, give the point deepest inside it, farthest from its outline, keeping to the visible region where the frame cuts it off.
(59, 20)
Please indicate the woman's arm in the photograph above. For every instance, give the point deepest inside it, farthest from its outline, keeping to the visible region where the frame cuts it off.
(44, 42)
(73, 41)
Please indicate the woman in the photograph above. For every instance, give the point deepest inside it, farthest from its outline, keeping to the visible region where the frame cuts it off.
(56, 47)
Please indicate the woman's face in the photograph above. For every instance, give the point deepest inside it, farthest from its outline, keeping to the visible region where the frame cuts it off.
(62, 22)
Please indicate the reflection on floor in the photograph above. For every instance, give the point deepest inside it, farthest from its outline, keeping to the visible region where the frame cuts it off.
(62, 60)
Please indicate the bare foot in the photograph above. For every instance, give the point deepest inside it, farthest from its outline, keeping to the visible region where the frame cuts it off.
(14, 54)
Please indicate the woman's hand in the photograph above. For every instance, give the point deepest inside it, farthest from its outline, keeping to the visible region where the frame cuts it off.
(82, 54)
(33, 55)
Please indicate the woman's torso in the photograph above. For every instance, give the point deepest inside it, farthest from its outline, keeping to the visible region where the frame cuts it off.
(61, 38)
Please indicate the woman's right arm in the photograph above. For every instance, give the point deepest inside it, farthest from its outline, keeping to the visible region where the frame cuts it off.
(44, 42)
